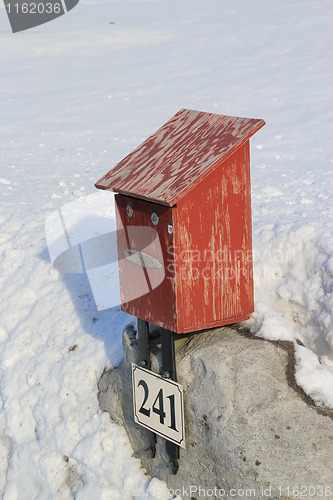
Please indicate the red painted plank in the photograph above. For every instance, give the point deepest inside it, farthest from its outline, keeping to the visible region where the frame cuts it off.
(150, 293)
(166, 166)
(214, 258)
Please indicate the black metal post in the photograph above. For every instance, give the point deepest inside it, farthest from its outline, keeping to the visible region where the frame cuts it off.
(169, 370)
(144, 361)
(143, 340)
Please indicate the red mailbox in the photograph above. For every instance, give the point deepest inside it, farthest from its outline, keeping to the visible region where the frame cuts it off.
(184, 222)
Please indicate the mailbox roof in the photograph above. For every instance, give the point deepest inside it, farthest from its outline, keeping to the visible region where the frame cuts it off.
(167, 165)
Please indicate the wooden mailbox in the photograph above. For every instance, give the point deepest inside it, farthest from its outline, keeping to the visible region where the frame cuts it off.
(184, 222)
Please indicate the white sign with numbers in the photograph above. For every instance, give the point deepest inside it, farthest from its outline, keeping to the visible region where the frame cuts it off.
(158, 404)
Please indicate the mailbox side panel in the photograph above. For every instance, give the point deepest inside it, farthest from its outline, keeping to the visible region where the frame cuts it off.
(215, 247)
(145, 255)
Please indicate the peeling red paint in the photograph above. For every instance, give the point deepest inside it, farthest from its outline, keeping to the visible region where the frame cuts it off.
(183, 151)
(194, 173)
(225, 231)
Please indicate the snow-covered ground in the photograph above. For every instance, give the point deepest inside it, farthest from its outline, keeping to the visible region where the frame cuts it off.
(77, 95)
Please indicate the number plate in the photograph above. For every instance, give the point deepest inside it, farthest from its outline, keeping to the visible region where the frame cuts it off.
(158, 404)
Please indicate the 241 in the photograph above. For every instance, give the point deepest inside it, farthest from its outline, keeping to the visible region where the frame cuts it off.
(158, 405)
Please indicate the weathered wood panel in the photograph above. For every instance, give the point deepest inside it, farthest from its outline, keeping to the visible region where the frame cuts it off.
(214, 262)
(148, 291)
(166, 166)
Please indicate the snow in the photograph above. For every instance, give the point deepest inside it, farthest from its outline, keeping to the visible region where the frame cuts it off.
(77, 95)
(314, 377)
(294, 300)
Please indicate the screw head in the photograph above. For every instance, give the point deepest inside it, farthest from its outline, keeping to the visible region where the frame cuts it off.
(154, 218)
(129, 210)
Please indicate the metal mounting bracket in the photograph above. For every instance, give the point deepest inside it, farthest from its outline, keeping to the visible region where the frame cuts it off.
(168, 371)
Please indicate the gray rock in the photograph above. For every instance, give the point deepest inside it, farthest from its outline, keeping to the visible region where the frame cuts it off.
(248, 425)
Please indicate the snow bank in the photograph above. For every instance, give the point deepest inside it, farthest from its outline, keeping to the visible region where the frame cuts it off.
(294, 300)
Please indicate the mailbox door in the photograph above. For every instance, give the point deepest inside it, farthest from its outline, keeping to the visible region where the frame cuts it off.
(145, 242)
